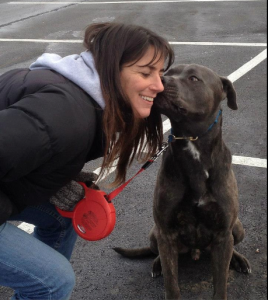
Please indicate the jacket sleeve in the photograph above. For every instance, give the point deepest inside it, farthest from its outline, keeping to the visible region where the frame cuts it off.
(44, 140)
(24, 143)
(7, 208)
(21, 136)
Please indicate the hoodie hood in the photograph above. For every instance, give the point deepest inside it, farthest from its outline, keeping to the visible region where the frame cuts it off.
(80, 69)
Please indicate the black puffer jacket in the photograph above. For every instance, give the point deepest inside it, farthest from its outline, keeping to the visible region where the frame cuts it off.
(49, 128)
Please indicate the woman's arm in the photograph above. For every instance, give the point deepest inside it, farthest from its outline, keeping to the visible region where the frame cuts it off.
(24, 143)
(7, 209)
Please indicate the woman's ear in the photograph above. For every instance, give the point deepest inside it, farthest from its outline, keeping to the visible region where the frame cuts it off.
(230, 93)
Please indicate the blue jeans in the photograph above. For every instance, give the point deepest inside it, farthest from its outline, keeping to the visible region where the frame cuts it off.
(37, 266)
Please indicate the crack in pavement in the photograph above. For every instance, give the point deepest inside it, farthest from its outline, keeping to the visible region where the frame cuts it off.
(37, 15)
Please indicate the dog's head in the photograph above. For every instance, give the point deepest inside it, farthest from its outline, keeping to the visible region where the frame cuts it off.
(195, 92)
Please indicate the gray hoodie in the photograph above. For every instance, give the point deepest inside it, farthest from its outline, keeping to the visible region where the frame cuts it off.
(80, 69)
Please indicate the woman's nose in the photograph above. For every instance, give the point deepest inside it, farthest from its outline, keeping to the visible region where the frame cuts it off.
(158, 85)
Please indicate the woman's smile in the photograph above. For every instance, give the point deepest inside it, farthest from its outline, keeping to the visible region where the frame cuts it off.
(148, 99)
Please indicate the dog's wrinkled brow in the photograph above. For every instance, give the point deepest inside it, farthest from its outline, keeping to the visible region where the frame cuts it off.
(191, 71)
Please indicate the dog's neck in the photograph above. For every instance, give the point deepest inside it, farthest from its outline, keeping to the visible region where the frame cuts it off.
(181, 133)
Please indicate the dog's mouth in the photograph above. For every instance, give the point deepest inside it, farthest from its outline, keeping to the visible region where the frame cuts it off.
(168, 103)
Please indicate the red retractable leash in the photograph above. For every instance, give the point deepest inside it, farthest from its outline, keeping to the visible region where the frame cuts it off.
(94, 216)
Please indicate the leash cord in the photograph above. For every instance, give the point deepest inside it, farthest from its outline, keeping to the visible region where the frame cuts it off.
(117, 191)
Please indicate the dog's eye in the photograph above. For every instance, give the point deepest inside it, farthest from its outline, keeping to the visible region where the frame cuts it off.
(194, 78)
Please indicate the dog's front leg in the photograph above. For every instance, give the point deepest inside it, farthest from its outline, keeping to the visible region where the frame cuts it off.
(221, 251)
(168, 251)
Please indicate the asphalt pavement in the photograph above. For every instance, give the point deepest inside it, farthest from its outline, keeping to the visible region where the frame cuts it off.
(227, 36)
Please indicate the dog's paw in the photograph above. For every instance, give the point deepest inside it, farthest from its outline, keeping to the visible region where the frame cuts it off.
(157, 268)
(240, 263)
(155, 275)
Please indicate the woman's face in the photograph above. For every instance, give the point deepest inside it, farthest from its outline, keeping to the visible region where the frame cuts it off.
(141, 84)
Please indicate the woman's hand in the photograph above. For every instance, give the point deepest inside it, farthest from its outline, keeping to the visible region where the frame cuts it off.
(69, 195)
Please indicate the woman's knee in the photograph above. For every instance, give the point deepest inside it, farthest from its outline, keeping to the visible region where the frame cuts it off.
(64, 283)
(55, 283)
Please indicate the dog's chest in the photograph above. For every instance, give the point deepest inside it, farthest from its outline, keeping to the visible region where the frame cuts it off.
(185, 185)
(192, 166)
(197, 221)
(195, 157)
(192, 150)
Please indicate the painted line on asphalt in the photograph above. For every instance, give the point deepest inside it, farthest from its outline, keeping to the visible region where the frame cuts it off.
(171, 43)
(220, 44)
(124, 2)
(248, 66)
(41, 41)
(249, 161)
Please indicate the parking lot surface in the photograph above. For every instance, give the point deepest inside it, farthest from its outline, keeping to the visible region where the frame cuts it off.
(227, 36)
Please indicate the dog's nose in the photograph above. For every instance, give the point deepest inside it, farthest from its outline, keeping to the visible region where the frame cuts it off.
(164, 80)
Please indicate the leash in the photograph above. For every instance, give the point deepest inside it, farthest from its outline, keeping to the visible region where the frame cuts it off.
(113, 194)
(94, 216)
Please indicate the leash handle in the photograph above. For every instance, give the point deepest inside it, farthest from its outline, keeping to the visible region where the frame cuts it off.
(113, 194)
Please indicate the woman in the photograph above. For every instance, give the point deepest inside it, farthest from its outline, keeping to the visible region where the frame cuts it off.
(56, 116)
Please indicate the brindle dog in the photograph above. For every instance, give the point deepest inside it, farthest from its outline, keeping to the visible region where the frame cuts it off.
(196, 196)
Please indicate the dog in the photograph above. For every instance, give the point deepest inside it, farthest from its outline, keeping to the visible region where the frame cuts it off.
(196, 197)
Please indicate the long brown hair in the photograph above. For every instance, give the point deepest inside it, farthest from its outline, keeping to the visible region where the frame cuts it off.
(114, 45)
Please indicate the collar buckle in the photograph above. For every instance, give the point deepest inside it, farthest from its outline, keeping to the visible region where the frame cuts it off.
(173, 138)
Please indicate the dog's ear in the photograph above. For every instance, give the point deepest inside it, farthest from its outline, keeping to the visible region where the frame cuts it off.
(230, 93)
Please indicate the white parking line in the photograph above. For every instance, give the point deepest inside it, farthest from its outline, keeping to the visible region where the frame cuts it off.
(220, 44)
(171, 43)
(41, 41)
(126, 2)
(248, 66)
(249, 161)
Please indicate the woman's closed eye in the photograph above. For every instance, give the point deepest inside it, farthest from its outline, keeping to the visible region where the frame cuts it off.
(145, 74)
